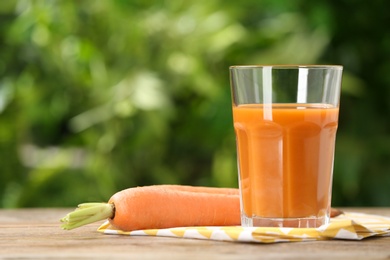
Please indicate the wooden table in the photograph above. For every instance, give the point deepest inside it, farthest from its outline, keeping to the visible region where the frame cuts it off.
(35, 234)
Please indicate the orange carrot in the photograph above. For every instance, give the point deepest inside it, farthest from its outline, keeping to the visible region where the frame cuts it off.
(227, 191)
(163, 206)
(153, 207)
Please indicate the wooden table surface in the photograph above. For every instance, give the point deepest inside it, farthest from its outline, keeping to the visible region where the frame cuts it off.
(36, 234)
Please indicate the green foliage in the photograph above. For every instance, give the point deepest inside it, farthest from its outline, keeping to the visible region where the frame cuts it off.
(97, 96)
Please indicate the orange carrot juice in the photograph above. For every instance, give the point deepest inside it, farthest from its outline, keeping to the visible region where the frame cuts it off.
(285, 155)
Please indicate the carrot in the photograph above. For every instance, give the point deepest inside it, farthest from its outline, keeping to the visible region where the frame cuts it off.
(163, 206)
(227, 191)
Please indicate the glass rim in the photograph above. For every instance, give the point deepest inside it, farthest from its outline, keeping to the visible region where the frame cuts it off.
(287, 66)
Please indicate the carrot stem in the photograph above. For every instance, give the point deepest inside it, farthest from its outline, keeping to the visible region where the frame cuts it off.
(87, 213)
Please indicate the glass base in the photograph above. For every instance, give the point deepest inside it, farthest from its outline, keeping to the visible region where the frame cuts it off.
(308, 222)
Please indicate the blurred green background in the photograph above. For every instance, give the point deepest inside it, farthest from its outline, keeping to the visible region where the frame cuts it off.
(97, 96)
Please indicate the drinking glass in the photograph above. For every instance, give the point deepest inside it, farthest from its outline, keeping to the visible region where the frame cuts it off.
(285, 121)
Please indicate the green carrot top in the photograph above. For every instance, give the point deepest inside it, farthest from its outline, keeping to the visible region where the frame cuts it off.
(87, 213)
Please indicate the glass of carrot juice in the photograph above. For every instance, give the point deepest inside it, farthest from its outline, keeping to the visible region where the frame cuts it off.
(285, 121)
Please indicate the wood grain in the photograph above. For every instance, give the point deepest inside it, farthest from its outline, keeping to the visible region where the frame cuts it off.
(36, 234)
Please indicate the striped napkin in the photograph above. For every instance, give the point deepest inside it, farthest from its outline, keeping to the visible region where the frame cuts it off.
(348, 226)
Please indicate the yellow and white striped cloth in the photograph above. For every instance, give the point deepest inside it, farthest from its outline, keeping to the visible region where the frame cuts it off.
(348, 226)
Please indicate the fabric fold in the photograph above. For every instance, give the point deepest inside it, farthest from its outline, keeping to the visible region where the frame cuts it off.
(348, 226)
